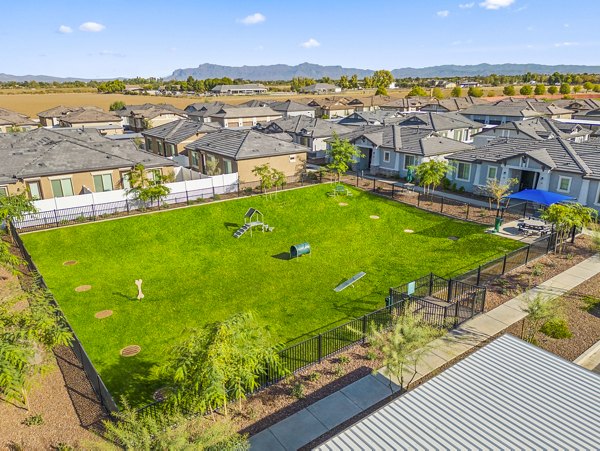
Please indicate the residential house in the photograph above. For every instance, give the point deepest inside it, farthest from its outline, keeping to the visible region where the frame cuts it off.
(392, 149)
(53, 116)
(61, 162)
(332, 107)
(105, 123)
(406, 104)
(321, 88)
(448, 125)
(452, 104)
(307, 131)
(539, 128)
(149, 115)
(245, 89)
(201, 112)
(372, 103)
(512, 395)
(578, 106)
(289, 108)
(555, 164)
(170, 139)
(237, 117)
(11, 121)
(469, 84)
(491, 114)
(589, 118)
(549, 110)
(377, 117)
(227, 151)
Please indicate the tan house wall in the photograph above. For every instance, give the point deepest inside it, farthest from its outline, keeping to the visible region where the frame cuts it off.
(164, 119)
(179, 147)
(282, 163)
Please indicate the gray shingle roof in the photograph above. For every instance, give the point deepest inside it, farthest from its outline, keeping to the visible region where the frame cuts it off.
(43, 152)
(227, 112)
(547, 109)
(149, 110)
(244, 144)
(178, 131)
(438, 121)
(8, 117)
(289, 106)
(89, 115)
(508, 395)
(407, 140)
(559, 154)
(305, 126)
(376, 117)
(507, 109)
(540, 128)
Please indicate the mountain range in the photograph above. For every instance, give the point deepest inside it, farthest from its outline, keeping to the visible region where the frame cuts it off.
(285, 72)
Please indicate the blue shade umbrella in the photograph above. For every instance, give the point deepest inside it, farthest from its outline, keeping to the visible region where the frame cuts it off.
(540, 197)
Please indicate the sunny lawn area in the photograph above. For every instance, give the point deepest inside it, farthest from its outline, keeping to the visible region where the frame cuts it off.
(195, 272)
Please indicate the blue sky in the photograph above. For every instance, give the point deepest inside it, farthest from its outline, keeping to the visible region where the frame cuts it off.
(108, 38)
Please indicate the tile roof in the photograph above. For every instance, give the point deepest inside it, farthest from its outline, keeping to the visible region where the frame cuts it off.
(150, 110)
(506, 109)
(89, 115)
(305, 126)
(61, 110)
(289, 106)
(177, 131)
(540, 128)
(438, 121)
(236, 112)
(44, 152)
(244, 144)
(548, 109)
(8, 117)
(376, 117)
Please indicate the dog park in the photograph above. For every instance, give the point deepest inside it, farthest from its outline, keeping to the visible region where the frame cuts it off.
(197, 268)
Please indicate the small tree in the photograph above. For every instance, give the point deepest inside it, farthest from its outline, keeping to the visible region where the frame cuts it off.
(565, 217)
(117, 105)
(539, 90)
(509, 90)
(14, 207)
(497, 190)
(437, 93)
(404, 345)
(552, 90)
(456, 91)
(588, 86)
(417, 91)
(565, 88)
(431, 173)
(526, 90)
(264, 174)
(475, 92)
(221, 363)
(146, 188)
(539, 311)
(382, 79)
(381, 91)
(341, 155)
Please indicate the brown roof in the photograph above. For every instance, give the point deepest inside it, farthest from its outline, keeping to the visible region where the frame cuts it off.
(62, 110)
(84, 116)
(8, 117)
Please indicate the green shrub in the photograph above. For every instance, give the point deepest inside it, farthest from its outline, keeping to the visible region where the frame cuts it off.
(314, 376)
(591, 303)
(371, 355)
(556, 328)
(339, 370)
(33, 420)
(64, 447)
(344, 359)
(537, 270)
(298, 390)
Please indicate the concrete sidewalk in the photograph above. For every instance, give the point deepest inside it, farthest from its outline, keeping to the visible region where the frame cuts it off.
(324, 415)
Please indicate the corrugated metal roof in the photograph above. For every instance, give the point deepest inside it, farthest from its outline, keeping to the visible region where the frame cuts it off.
(508, 395)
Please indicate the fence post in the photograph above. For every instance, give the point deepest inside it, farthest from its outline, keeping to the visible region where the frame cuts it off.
(94, 212)
(504, 264)
(478, 275)
(320, 347)
(430, 283)
(525, 210)
(187, 196)
(442, 204)
(527, 254)
(393, 186)
(364, 328)
(449, 298)
(373, 183)
(127, 205)
(573, 233)
(419, 199)
(357, 176)
(552, 235)
(468, 206)
(56, 218)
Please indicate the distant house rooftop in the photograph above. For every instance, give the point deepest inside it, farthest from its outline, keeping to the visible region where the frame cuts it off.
(178, 131)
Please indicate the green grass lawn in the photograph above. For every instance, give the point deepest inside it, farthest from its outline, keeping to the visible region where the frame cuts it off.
(195, 272)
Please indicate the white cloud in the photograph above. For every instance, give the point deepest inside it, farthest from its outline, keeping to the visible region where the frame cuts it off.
(253, 19)
(93, 27)
(65, 29)
(466, 5)
(566, 44)
(496, 4)
(566, 25)
(311, 43)
(444, 13)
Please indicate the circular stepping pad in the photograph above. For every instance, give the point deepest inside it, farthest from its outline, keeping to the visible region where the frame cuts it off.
(82, 288)
(343, 204)
(130, 351)
(374, 217)
(70, 263)
(453, 238)
(103, 314)
(409, 231)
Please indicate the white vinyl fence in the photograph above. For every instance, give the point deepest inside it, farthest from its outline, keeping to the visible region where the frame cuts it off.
(62, 210)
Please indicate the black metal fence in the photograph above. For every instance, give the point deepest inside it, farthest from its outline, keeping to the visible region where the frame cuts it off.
(67, 216)
(438, 301)
(86, 364)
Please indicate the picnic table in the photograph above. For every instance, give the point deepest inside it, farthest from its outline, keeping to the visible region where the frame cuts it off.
(531, 226)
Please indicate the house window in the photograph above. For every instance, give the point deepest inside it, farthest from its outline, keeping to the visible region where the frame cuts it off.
(292, 158)
(386, 157)
(492, 172)
(148, 144)
(103, 182)
(35, 192)
(228, 166)
(463, 171)
(409, 160)
(160, 147)
(564, 184)
(304, 141)
(195, 159)
(597, 195)
(3, 191)
(125, 180)
(62, 187)
(170, 150)
(153, 174)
